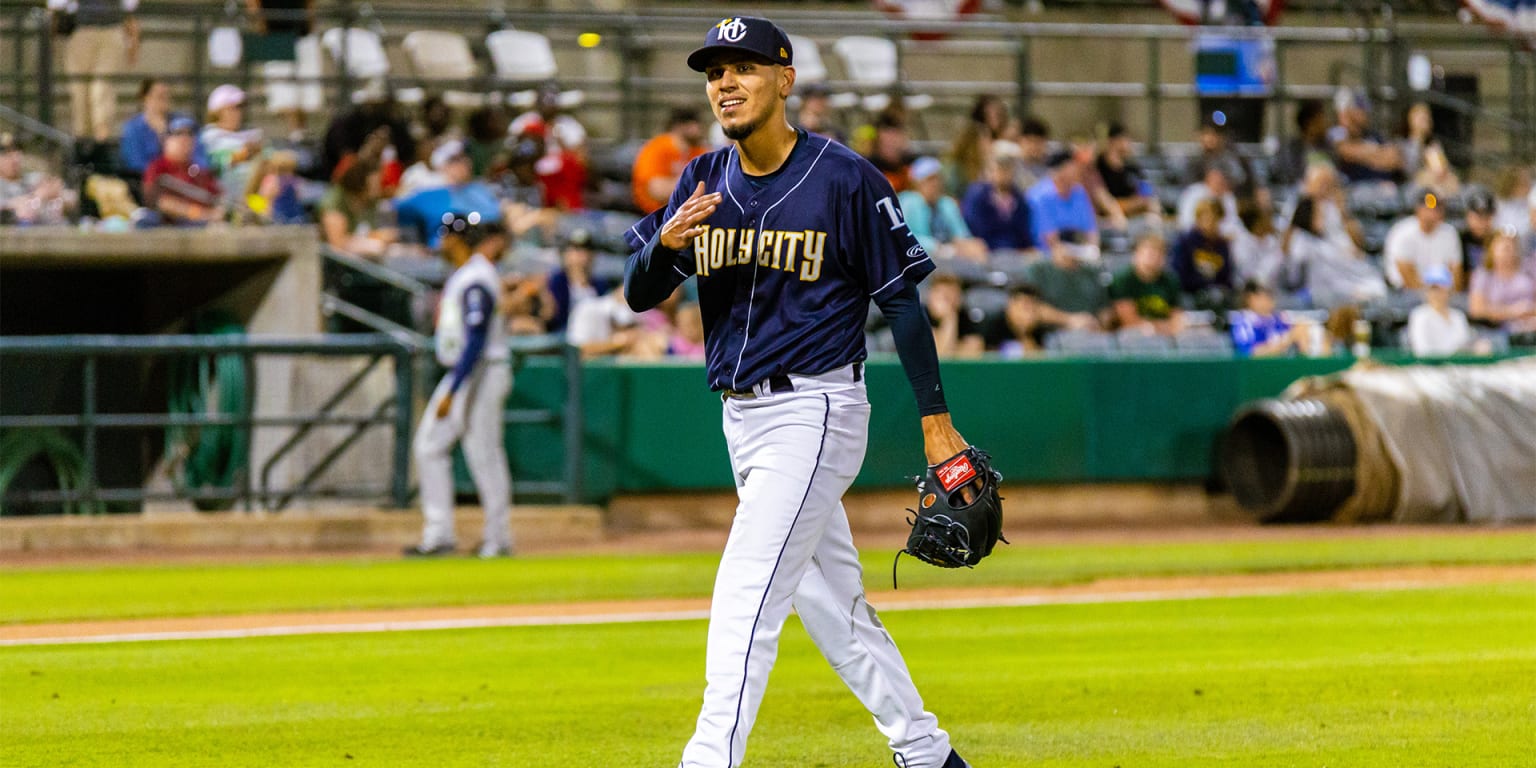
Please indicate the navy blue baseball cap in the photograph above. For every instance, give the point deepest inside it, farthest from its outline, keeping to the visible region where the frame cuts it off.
(744, 33)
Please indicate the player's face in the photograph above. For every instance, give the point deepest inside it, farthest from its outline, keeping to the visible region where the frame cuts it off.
(746, 92)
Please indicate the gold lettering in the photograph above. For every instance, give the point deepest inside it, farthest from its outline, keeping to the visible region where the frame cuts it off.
(778, 246)
(701, 253)
(810, 258)
(744, 248)
(794, 239)
(716, 248)
(763, 256)
(730, 247)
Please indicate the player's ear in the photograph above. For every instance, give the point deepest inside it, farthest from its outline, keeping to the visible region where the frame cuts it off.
(786, 81)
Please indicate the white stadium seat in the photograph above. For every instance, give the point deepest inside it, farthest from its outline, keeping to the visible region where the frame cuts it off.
(525, 58)
(871, 64)
(444, 56)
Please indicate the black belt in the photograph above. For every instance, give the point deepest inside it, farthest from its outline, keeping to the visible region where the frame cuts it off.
(780, 384)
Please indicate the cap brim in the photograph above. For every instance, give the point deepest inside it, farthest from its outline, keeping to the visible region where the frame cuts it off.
(699, 60)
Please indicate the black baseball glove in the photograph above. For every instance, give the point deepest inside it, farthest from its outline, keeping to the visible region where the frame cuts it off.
(959, 516)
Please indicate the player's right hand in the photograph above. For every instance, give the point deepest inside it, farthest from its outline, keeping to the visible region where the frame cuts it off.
(683, 227)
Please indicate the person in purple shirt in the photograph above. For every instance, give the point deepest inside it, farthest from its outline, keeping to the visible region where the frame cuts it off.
(1060, 203)
(994, 208)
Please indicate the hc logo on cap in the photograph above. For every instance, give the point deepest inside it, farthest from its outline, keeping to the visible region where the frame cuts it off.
(732, 30)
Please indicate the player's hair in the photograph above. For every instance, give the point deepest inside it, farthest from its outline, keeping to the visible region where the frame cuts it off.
(1496, 236)
(1151, 237)
(681, 115)
(945, 278)
(1210, 205)
(354, 180)
(146, 85)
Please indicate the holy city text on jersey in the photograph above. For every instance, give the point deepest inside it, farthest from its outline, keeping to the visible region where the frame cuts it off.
(798, 251)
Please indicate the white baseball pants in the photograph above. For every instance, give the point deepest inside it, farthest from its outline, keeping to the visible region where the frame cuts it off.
(474, 421)
(794, 455)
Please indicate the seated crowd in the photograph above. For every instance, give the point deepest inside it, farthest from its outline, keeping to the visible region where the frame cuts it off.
(1041, 245)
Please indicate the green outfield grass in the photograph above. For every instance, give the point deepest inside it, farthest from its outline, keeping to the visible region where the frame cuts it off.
(1441, 677)
(63, 594)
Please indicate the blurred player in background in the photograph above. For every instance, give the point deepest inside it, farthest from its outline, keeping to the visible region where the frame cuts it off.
(467, 406)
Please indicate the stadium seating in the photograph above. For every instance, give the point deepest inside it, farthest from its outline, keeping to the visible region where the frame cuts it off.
(871, 63)
(444, 56)
(525, 59)
(360, 53)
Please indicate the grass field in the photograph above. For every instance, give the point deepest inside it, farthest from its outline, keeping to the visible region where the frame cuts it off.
(1442, 676)
(139, 590)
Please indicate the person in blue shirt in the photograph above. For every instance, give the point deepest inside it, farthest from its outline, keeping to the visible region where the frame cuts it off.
(1257, 329)
(995, 208)
(421, 211)
(934, 217)
(144, 132)
(1060, 203)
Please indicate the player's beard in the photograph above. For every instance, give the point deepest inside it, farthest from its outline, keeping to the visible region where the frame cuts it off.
(743, 130)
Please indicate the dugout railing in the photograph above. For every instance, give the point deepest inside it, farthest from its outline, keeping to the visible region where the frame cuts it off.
(220, 427)
(632, 84)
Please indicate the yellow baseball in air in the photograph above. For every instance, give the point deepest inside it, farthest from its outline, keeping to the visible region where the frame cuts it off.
(589, 39)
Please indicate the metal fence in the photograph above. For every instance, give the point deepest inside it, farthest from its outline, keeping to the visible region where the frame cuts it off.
(1370, 52)
(251, 486)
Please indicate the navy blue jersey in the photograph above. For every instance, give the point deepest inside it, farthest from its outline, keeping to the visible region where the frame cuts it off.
(788, 263)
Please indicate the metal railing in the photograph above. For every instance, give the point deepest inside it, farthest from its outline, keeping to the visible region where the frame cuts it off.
(639, 93)
(253, 486)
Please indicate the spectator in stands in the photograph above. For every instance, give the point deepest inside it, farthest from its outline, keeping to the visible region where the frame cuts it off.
(997, 211)
(1035, 153)
(954, 334)
(272, 191)
(1123, 179)
(230, 147)
(377, 115)
(661, 160)
(1327, 272)
(1021, 319)
(816, 115)
(421, 211)
(1202, 258)
(420, 174)
(282, 21)
(1360, 153)
(523, 196)
(563, 169)
(1258, 330)
(1085, 153)
(485, 134)
(1216, 185)
(973, 145)
(1145, 294)
(144, 131)
(934, 217)
(574, 282)
(1307, 148)
(890, 152)
(529, 304)
(1513, 210)
(103, 39)
(1419, 241)
(1424, 160)
(1435, 328)
(1068, 291)
(31, 197)
(1337, 224)
(349, 213)
(1257, 253)
(434, 121)
(1059, 203)
(687, 342)
(1500, 294)
(1216, 151)
(176, 186)
(1477, 228)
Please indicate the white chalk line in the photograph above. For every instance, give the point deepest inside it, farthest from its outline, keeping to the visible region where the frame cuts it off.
(644, 617)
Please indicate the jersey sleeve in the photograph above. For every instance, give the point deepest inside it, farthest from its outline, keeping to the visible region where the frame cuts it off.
(653, 271)
(878, 243)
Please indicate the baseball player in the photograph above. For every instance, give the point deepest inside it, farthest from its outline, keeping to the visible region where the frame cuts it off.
(467, 405)
(791, 235)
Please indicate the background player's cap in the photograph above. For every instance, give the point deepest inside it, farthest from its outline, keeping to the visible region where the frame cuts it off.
(744, 33)
(1438, 276)
(181, 124)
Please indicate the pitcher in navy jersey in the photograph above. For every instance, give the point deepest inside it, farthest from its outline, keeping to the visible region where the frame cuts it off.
(791, 235)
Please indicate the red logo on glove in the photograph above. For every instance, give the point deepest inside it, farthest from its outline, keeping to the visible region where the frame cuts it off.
(956, 472)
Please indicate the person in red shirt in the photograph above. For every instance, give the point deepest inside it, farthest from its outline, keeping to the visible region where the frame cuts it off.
(181, 191)
(662, 159)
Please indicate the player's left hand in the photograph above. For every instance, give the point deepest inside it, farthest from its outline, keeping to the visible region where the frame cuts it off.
(444, 406)
(940, 439)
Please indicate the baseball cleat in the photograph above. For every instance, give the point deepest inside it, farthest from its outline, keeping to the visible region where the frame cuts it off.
(955, 761)
(491, 551)
(422, 550)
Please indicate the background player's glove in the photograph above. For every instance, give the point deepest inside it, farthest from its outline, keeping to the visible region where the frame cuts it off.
(959, 516)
